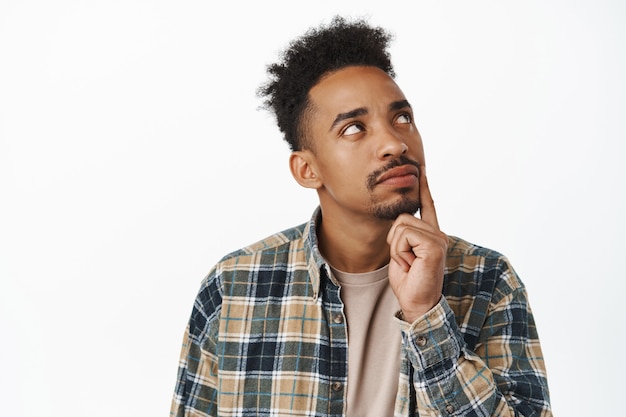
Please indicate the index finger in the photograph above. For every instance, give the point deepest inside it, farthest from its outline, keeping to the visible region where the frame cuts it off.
(427, 209)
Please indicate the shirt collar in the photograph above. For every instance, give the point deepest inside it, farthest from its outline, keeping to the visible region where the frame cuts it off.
(314, 259)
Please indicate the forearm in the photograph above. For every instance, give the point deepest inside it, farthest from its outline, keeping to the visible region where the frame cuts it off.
(449, 379)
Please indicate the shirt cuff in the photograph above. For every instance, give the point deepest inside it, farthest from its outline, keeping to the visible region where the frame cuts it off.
(433, 338)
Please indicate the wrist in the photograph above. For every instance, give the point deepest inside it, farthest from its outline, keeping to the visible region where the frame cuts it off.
(413, 314)
(408, 317)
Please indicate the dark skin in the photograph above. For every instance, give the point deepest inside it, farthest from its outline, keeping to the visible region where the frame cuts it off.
(361, 125)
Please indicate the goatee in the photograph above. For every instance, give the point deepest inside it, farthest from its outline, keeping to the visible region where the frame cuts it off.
(392, 211)
(406, 203)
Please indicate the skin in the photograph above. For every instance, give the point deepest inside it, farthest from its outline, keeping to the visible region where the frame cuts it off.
(362, 162)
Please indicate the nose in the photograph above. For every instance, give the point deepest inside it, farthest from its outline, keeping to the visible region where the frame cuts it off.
(391, 144)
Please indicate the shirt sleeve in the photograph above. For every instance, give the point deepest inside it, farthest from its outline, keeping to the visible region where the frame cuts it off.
(504, 376)
(196, 386)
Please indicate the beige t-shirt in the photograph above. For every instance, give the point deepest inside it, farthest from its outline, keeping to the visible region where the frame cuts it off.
(374, 342)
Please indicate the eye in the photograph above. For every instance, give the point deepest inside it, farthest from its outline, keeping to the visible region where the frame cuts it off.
(352, 129)
(404, 118)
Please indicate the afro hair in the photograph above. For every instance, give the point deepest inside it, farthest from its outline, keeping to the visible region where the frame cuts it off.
(307, 59)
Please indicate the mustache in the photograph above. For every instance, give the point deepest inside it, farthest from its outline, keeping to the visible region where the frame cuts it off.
(372, 179)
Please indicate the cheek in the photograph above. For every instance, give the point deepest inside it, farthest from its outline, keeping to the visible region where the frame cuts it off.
(418, 149)
(345, 176)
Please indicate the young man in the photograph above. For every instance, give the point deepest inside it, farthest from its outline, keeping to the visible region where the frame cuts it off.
(366, 309)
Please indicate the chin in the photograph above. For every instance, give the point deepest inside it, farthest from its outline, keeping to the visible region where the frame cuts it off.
(392, 211)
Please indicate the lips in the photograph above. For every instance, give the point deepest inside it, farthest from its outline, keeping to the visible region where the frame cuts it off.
(402, 175)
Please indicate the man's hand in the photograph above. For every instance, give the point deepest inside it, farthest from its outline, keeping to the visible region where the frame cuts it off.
(418, 255)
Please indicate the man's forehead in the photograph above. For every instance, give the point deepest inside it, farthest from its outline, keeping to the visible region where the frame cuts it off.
(355, 87)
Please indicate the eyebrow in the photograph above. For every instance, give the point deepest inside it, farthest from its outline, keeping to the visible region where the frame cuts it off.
(348, 115)
(396, 105)
(400, 104)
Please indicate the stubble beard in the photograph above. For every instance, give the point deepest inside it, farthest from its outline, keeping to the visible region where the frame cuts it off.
(406, 204)
(391, 211)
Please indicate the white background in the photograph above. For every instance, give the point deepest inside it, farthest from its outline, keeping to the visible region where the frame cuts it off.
(133, 156)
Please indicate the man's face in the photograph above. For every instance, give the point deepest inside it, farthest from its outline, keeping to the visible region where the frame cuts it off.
(365, 144)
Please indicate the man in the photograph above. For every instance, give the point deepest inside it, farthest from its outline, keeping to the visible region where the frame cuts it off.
(366, 309)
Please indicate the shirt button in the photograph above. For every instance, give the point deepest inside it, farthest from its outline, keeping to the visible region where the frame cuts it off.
(337, 386)
(338, 318)
(449, 409)
(421, 341)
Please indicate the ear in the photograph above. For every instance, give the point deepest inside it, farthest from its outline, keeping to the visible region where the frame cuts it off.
(303, 169)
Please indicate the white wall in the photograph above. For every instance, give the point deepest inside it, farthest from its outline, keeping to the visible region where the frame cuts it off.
(132, 156)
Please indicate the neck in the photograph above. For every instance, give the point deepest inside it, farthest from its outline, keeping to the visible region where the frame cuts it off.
(354, 244)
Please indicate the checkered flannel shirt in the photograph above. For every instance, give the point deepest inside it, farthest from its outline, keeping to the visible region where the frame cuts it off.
(267, 336)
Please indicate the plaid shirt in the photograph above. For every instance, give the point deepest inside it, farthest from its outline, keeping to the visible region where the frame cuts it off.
(267, 336)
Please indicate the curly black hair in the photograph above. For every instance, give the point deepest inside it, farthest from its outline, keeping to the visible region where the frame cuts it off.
(308, 58)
